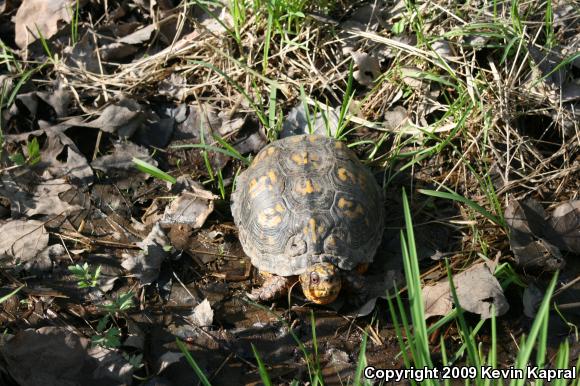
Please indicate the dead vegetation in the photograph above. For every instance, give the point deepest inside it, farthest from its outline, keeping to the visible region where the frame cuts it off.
(471, 108)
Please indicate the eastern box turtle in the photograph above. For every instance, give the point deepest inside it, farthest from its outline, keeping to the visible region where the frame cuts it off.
(307, 209)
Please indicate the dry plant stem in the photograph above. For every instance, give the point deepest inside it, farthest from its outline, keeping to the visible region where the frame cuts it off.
(73, 236)
(233, 277)
(225, 347)
(560, 290)
(569, 306)
(374, 336)
(221, 366)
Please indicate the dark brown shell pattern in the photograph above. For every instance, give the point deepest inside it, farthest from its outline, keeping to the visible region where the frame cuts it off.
(307, 199)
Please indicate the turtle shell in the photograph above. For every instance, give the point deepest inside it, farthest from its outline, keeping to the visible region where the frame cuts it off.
(307, 199)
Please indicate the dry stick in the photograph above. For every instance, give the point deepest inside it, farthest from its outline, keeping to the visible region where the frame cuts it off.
(221, 366)
(91, 242)
(103, 87)
(225, 346)
(566, 286)
(569, 306)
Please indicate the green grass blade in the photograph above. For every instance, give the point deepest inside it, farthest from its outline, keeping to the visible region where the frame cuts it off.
(314, 340)
(456, 197)
(397, 326)
(528, 344)
(44, 43)
(262, 368)
(562, 362)
(361, 363)
(467, 335)
(6, 297)
(204, 155)
(216, 149)
(272, 108)
(412, 274)
(198, 371)
(342, 117)
(313, 373)
(154, 171)
(267, 38)
(257, 109)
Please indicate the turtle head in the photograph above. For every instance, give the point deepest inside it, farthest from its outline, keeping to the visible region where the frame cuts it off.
(321, 283)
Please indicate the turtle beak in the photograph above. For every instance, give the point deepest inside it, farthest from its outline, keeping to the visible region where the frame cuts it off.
(321, 283)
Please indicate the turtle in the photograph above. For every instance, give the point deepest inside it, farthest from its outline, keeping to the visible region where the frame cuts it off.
(307, 210)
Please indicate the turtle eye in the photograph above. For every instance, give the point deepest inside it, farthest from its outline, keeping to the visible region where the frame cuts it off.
(314, 279)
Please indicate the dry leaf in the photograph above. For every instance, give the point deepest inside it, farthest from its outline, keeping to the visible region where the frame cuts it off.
(111, 366)
(54, 356)
(167, 359)
(7, 6)
(368, 68)
(202, 315)
(121, 159)
(174, 86)
(532, 299)
(146, 265)
(122, 118)
(139, 36)
(60, 158)
(83, 55)
(477, 290)
(565, 223)
(376, 286)
(43, 261)
(190, 207)
(215, 26)
(412, 77)
(529, 236)
(117, 51)
(395, 118)
(443, 48)
(252, 141)
(44, 198)
(58, 100)
(40, 15)
(324, 122)
(201, 119)
(22, 239)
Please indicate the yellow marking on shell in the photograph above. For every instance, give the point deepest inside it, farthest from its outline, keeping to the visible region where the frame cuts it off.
(313, 138)
(280, 208)
(339, 145)
(269, 218)
(260, 184)
(253, 184)
(295, 139)
(359, 211)
(342, 203)
(300, 158)
(265, 153)
(349, 208)
(310, 230)
(308, 187)
(304, 157)
(344, 174)
(272, 176)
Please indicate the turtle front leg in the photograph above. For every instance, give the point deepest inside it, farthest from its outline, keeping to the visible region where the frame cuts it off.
(274, 287)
